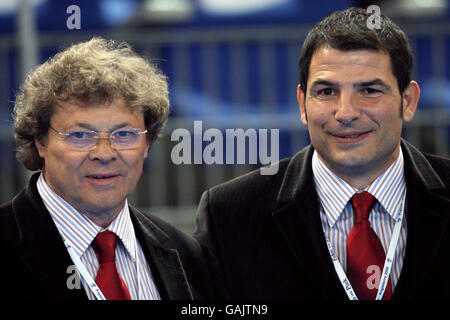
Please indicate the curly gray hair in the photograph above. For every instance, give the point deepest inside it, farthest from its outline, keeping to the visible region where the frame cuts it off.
(98, 70)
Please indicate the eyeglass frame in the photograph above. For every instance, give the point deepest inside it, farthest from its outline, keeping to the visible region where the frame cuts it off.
(64, 135)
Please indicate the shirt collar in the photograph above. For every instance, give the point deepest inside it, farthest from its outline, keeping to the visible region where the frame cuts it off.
(334, 193)
(78, 229)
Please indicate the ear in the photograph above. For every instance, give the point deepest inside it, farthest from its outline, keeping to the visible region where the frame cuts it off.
(148, 147)
(410, 100)
(41, 148)
(301, 104)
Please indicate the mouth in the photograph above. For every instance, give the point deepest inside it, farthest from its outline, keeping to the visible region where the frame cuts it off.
(350, 137)
(102, 178)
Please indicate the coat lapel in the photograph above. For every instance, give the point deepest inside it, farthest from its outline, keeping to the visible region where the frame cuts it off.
(298, 219)
(43, 250)
(427, 219)
(165, 264)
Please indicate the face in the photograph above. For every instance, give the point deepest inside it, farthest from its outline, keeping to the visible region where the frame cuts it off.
(352, 108)
(95, 182)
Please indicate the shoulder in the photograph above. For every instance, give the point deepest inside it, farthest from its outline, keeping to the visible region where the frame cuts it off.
(12, 249)
(8, 220)
(193, 260)
(427, 169)
(5, 210)
(248, 187)
(264, 191)
(441, 166)
(430, 174)
(163, 232)
(8, 229)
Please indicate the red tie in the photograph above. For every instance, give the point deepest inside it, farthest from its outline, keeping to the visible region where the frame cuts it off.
(108, 279)
(365, 254)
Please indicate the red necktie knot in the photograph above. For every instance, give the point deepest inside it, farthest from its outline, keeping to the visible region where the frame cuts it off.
(104, 245)
(362, 205)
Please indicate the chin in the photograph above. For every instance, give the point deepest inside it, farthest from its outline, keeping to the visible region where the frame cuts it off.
(350, 162)
(105, 204)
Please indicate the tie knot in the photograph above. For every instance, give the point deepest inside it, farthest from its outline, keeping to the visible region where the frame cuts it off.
(362, 205)
(104, 245)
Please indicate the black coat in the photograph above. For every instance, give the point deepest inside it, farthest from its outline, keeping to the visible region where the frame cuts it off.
(265, 239)
(34, 259)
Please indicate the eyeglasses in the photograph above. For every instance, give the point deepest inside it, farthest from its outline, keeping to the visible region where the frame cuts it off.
(85, 140)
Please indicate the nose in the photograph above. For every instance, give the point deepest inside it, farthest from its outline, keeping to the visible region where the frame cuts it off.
(346, 109)
(103, 151)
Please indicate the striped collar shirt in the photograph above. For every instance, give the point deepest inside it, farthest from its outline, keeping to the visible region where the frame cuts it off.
(336, 211)
(79, 231)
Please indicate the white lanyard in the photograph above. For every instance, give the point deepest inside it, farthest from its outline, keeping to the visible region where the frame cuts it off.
(83, 271)
(387, 263)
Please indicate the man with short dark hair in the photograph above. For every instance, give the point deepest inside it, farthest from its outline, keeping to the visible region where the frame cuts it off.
(358, 214)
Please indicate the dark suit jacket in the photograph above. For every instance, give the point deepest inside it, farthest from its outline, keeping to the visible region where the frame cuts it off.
(265, 238)
(34, 259)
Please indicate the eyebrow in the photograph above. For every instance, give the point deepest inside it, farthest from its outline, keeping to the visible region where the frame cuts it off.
(321, 82)
(363, 84)
(375, 82)
(90, 127)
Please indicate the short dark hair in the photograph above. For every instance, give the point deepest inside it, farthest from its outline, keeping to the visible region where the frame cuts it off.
(347, 30)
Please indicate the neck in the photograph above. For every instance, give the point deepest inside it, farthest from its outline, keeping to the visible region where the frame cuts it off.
(101, 219)
(362, 177)
(104, 217)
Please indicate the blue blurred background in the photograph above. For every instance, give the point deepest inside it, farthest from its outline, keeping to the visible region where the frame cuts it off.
(230, 63)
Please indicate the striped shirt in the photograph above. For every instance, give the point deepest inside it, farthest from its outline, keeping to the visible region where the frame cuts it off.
(80, 231)
(336, 210)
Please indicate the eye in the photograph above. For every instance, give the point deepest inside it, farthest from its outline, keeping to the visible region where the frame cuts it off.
(80, 135)
(80, 139)
(371, 92)
(124, 134)
(326, 92)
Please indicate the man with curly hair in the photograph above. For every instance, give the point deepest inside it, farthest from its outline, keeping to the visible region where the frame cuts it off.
(86, 119)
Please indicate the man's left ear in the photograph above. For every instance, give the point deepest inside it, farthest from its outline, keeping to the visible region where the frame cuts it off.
(41, 148)
(148, 147)
(410, 98)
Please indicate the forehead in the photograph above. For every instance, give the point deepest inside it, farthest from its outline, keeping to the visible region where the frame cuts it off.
(96, 114)
(358, 65)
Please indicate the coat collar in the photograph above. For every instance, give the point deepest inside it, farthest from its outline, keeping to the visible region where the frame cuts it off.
(46, 256)
(419, 170)
(164, 260)
(427, 220)
(298, 219)
(43, 251)
(298, 176)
